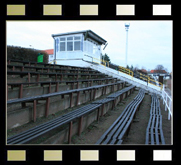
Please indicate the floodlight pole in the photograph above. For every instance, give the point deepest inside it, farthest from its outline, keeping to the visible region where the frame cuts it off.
(126, 28)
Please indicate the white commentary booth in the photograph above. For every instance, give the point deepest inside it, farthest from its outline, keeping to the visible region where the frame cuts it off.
(73, 48)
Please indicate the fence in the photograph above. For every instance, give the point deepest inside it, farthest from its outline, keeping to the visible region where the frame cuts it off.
(167, 100)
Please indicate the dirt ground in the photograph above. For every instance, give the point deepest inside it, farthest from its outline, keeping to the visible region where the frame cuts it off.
(137, 131)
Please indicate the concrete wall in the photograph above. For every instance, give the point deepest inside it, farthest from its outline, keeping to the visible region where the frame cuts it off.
(39, 90)
(24, 115)
(62, 135)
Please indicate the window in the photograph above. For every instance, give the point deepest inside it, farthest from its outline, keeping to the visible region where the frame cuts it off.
(70, 46)
(69, 38)
(62, 39)
(76, 45)
(77, 42)
(77, 38)
(71, 43)
(62, 44)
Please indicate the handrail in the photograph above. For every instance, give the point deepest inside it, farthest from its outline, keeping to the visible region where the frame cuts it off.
(126, 71)
(166, 98)
(101, 61)
(131, 73)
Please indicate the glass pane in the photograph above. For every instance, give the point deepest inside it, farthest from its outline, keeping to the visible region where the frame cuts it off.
(77, 45)
(62, 46)
(77, 38)
(62, 39)
(69, 46)
(69, 38)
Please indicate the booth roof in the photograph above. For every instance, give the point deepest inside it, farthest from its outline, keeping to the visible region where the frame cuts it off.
(87, 33)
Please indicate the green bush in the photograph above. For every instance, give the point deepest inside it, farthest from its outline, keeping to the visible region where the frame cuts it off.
(25, 54)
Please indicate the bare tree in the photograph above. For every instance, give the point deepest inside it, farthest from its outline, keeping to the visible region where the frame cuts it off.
(159, 68)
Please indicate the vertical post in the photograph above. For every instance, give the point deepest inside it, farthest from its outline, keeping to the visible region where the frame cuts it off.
(49, 88)
(57, 85)
(38, 77)
(95, 93)
(114, 103)
(91, 94)
(21, 91)
(70, 132)
(23, 104)
(47, 106)
(77, 85)
(55, 77)
(102, 91)
(73, 85)
(103, 106)
(77, 76)
(78, 96)
(91, 83)
(29, 77)
(71, 99)
(34, 110)
(80, 125)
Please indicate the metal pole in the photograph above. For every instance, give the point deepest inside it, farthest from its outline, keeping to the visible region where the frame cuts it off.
(126, 47)
(126, 28)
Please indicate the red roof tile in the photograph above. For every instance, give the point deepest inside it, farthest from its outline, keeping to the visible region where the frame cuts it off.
(158, 71)
(48, 51)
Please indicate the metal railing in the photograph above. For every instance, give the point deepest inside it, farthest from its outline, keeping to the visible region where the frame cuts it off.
(126, 71)
(131, 73)
(167, 100)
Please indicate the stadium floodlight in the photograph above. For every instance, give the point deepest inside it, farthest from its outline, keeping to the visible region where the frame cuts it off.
(126, 28)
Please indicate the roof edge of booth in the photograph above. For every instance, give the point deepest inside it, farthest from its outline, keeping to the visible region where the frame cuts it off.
(90, 34)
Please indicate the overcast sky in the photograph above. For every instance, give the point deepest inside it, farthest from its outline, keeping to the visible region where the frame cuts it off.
(149, 42)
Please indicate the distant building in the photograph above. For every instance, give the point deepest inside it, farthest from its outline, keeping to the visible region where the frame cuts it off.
(143, 71)
(157, 73)
(73, 47)
(50, 52)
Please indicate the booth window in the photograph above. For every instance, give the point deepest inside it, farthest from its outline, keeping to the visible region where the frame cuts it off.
(70, 43)
(77, 42)
(62, 44)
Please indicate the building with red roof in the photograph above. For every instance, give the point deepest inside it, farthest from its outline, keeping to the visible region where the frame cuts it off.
(50, 52)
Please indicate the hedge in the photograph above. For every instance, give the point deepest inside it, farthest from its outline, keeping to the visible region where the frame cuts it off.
(25, 54)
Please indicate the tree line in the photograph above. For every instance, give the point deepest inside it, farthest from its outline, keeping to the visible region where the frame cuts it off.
(159, 68)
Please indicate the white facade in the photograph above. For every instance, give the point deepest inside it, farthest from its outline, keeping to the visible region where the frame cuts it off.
(73, 46)
(51, 58)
